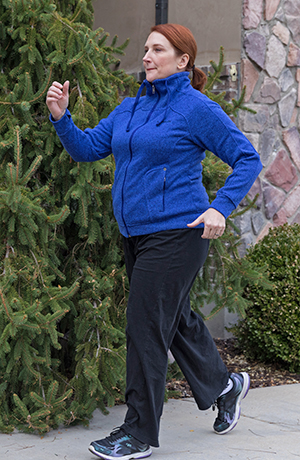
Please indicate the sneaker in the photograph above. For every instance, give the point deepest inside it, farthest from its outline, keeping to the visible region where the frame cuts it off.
(120, 445)
(229, 404)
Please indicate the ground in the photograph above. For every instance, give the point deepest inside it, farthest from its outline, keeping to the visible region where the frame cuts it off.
(261, 375)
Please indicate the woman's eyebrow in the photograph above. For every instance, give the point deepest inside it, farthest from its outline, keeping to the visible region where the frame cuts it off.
(155, 44)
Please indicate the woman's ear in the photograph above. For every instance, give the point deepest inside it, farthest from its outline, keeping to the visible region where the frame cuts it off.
(183, 61)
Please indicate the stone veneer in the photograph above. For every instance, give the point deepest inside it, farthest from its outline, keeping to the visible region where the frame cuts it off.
(270, 69)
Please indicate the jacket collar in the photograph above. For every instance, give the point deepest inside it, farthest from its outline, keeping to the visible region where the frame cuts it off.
(171, 83)
(164, 86)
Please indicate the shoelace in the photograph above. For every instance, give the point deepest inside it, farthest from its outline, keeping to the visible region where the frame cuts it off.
(220, 406)
(117, 433)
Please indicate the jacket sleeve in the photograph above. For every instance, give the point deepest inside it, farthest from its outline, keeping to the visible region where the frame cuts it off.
(88, 145)
(213, 130)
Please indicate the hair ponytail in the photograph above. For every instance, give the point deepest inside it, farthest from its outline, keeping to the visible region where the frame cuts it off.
(199, 79)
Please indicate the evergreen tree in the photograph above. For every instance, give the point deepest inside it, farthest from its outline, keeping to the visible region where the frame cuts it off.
(62, 283)
(62, 280)
(225, 274)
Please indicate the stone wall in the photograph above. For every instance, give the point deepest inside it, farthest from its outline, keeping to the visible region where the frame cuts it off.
(270, 69)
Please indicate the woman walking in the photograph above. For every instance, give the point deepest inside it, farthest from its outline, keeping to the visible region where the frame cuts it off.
(163, 212)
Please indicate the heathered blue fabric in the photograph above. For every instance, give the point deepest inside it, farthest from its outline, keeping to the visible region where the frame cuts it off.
(158, 141)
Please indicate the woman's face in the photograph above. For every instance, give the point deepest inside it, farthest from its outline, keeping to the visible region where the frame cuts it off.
(161, 60)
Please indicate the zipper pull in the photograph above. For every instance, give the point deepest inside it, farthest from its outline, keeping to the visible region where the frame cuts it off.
(153, 89)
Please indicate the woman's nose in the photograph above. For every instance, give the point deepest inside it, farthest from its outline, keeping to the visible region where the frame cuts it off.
(146, 56)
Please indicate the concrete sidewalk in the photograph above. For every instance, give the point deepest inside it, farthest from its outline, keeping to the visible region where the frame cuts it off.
(269, 429)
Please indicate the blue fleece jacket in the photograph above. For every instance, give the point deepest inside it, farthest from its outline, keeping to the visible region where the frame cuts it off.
(159, 141)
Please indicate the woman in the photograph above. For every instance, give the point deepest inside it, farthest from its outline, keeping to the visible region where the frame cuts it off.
(164, 215)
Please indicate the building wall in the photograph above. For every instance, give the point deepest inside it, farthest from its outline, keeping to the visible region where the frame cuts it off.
(213, 24)
(271, 71)
(128, 19)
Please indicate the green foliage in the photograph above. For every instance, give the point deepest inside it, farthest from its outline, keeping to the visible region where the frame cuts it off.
(62, 277)
(225, 274)
(271, 330)
(231, 108)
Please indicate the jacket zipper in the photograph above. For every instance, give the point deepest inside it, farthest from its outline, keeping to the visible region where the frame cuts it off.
(130, 149)
(164, 189)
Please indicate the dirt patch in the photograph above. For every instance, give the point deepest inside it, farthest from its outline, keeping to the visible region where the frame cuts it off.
(261, 375)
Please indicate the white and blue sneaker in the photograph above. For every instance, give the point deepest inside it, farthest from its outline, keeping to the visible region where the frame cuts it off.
(229, 404)
(120, 445)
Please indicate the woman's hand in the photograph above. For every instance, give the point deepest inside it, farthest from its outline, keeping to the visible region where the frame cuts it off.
(214, 223)
(58, 99)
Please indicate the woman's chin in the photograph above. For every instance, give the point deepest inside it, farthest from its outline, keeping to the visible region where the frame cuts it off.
(150, 76)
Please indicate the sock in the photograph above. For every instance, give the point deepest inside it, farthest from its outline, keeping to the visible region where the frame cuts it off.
(228, 387)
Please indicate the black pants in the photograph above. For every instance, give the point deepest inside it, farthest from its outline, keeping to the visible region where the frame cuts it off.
(162, 268)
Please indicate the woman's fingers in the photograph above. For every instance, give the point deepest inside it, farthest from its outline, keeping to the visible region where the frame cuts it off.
(214, 224)
(55, 92)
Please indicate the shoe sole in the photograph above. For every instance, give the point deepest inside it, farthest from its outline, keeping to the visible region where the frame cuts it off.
(243, 394)
(145, 454)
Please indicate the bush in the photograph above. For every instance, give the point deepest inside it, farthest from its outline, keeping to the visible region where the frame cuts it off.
(271, 330)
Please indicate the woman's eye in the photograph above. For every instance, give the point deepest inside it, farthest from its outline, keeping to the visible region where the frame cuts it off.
(156, 50)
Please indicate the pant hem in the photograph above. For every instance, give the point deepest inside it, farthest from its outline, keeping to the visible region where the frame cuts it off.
(136, 434)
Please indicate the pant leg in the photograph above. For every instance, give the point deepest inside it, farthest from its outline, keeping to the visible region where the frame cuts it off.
(197, 356)
(161, 268)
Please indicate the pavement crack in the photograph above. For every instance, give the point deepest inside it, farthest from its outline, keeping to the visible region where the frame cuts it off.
(285, 425)
(256, 434)
(253, 450)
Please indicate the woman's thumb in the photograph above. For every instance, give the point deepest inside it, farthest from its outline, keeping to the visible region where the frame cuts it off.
(196, 222)
(65, 89)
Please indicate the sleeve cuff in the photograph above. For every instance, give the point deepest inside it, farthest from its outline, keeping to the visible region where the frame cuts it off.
(224, 205)
(61, 126)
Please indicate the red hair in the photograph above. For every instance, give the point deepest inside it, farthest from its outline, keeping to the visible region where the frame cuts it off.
(182, 39)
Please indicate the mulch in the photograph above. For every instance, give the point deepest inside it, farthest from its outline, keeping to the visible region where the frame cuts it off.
(261, 375)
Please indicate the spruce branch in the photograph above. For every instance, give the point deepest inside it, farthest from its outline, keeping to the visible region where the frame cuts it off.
(6, 306)
(225, 274)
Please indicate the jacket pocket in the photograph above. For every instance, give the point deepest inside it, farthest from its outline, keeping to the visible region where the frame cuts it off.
(155, 183)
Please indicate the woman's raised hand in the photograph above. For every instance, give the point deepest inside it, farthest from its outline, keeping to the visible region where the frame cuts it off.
(57, 99)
